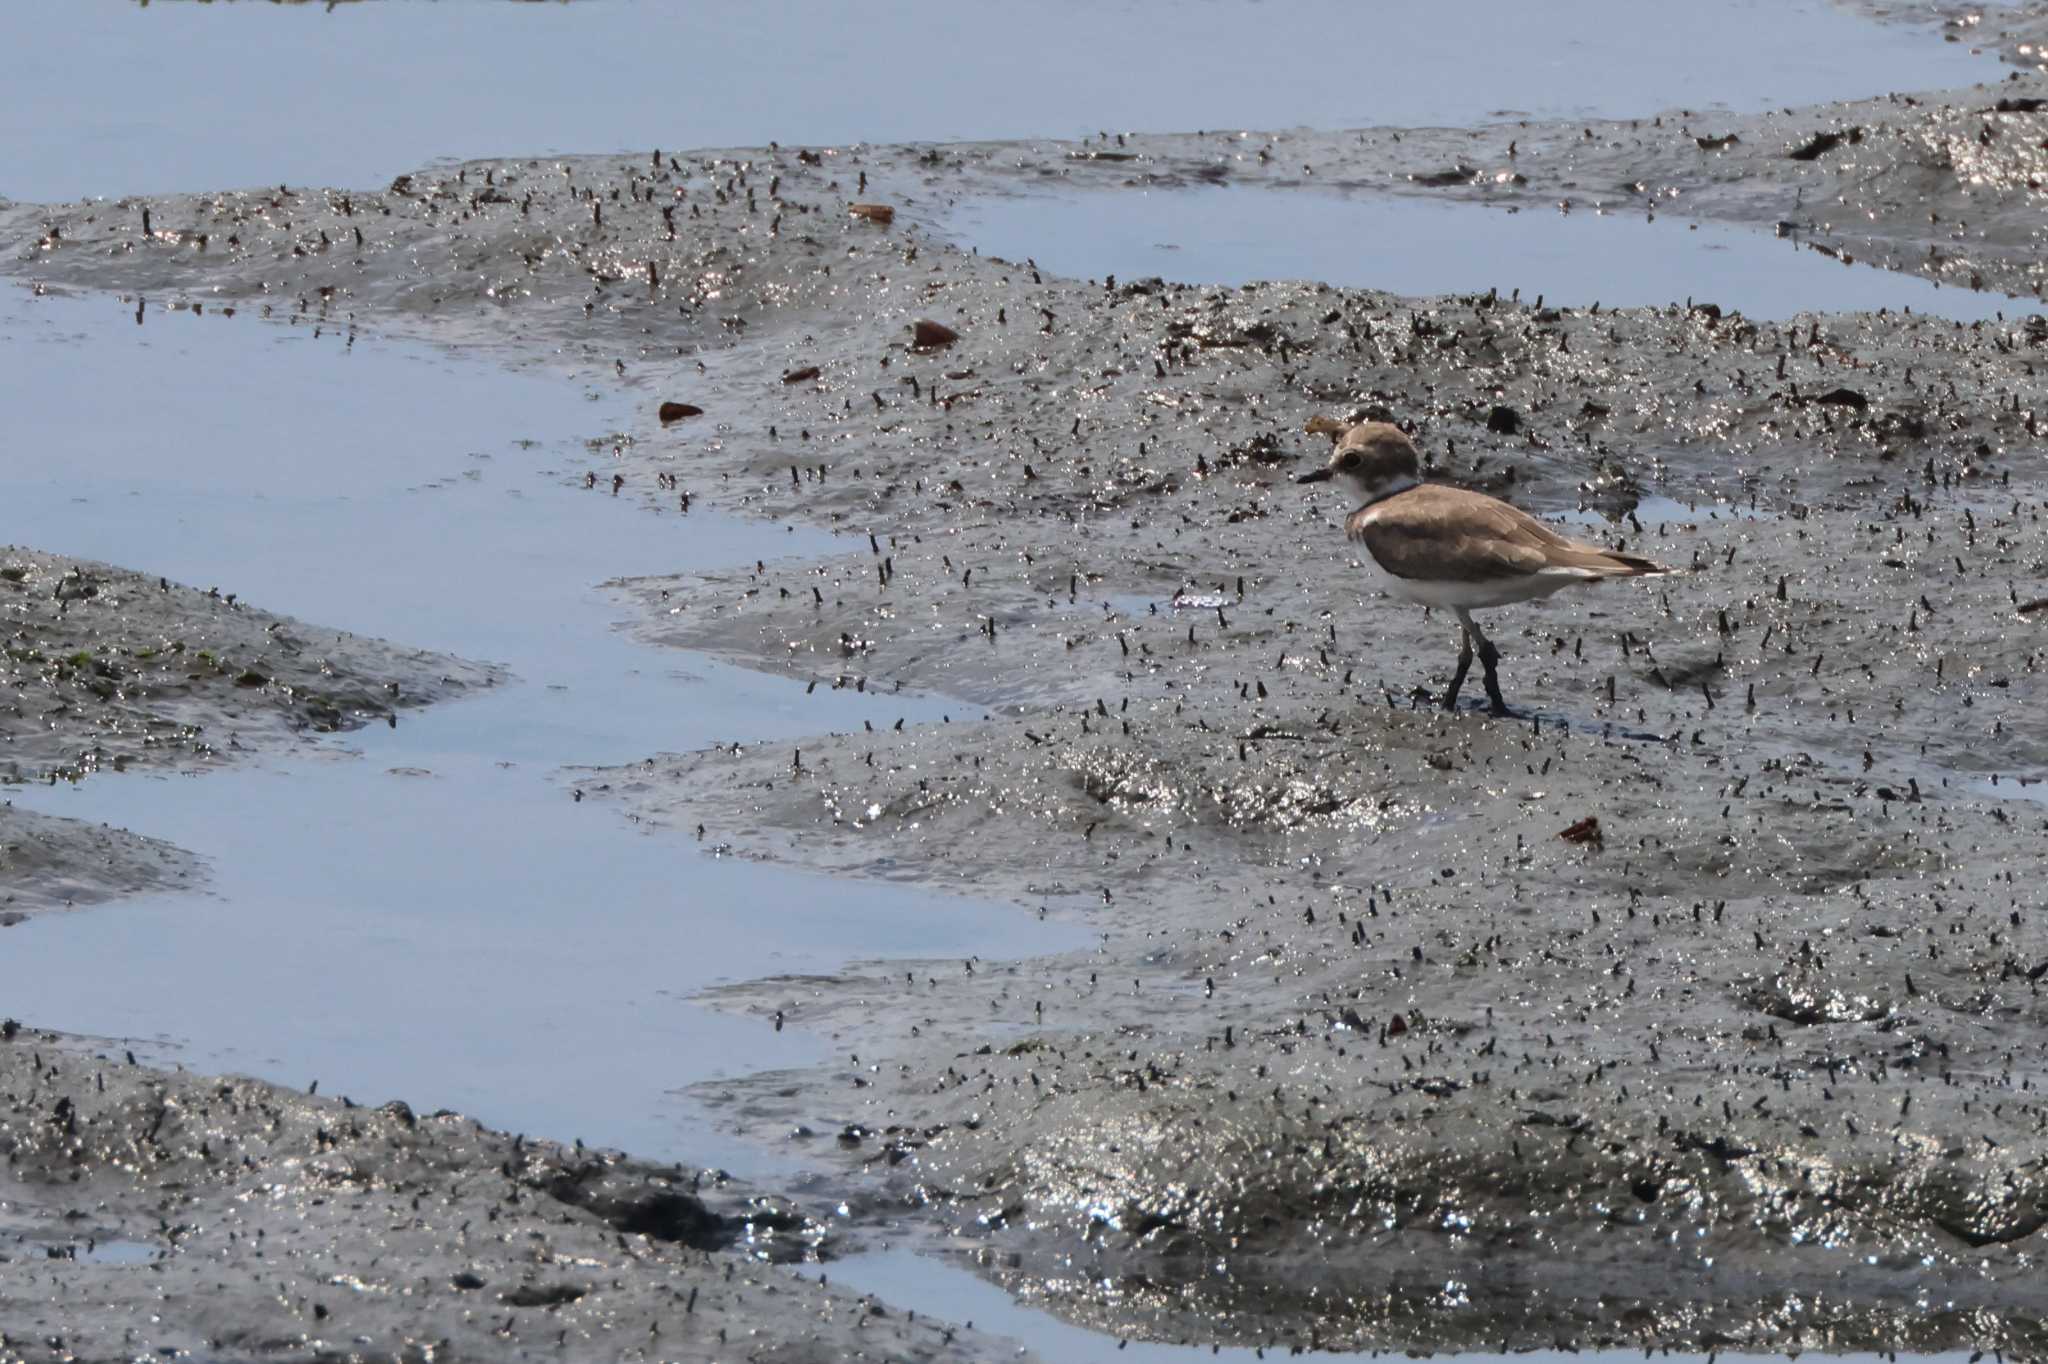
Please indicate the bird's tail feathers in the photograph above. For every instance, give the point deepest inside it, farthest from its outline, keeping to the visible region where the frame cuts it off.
(1635, 566)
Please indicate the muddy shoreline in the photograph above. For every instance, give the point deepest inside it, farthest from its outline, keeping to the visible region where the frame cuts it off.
(107, 669)
(51, 863)
(1365, 1041)
(263, 1223)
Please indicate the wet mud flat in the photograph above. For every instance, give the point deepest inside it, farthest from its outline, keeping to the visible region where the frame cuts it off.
(105, 668)
(49, 862)
(1370, 1054)
(1367, 1021)
(145, 1212)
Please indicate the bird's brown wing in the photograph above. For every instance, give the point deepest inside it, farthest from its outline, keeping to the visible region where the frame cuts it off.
(1450, 535)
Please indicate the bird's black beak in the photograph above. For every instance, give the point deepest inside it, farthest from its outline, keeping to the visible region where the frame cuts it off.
(1321, 475)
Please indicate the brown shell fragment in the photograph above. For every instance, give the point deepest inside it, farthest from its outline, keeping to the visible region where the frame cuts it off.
(1586, 830)
(879, 214)
(675, 412)
(797, 376)
(930, 335)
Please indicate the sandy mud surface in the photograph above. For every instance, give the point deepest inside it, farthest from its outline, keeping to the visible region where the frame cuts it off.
(1370, 1053)
(145, 1213)
(105, 668)
(48, 862)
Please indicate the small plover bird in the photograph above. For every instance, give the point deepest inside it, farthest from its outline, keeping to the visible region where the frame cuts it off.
(1456, 549)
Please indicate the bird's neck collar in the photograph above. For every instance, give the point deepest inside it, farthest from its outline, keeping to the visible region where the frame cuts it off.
(1380, 492)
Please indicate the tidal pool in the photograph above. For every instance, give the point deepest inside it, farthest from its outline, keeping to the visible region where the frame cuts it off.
(425, 911)
(1413, 246)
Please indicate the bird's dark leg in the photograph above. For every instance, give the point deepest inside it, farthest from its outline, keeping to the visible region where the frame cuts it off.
(1488, 658)
(1464, 666)
(1489, 661)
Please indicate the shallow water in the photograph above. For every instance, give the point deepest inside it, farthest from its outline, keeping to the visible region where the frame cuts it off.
(1406, 245)
(122, 1253)
(113, 97)
(2004, 787)
(946, 1288)
(424, 912)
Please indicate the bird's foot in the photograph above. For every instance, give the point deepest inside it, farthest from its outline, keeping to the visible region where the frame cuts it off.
(1495, 706)
(1487, 658)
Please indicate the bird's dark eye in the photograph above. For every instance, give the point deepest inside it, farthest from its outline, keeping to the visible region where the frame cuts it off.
(1349, 461)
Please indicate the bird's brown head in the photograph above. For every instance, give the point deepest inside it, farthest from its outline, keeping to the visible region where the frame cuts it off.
(1377, 458)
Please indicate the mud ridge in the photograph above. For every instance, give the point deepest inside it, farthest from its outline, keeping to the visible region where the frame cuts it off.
(256, 1222)
(103, 669)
